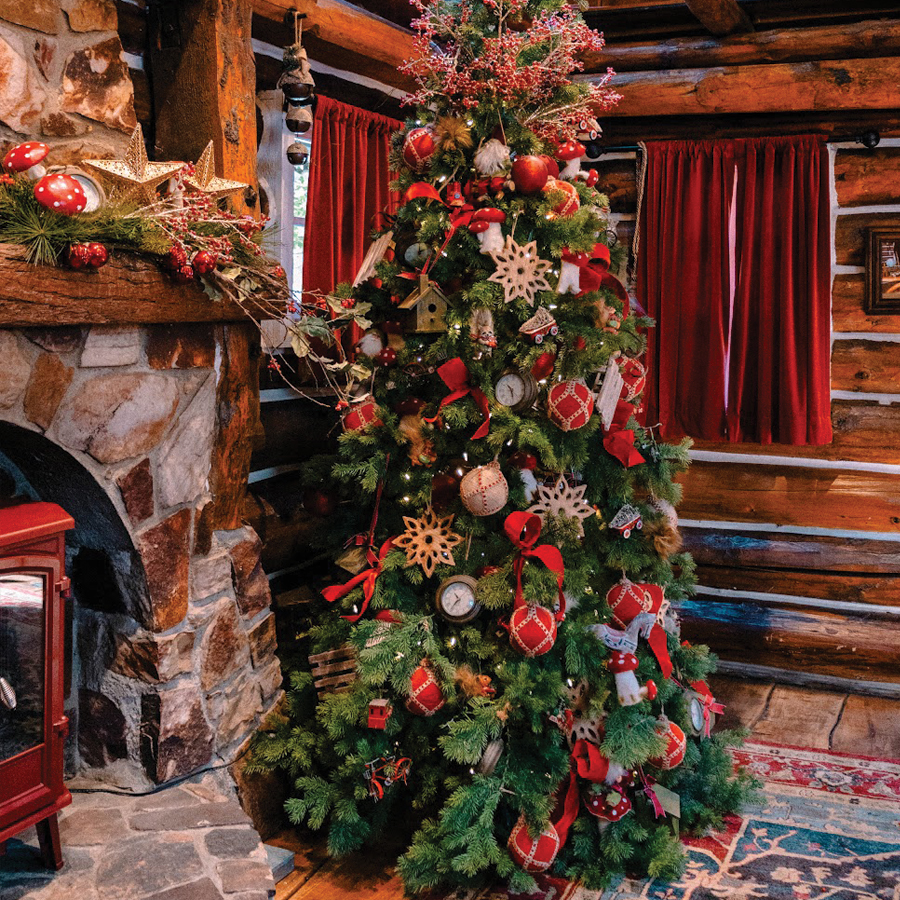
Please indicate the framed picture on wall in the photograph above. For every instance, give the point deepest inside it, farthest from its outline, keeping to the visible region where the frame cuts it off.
(883, 272)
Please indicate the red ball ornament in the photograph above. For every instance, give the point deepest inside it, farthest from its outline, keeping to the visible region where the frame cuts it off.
(536, 854)
(418, 148)
(319, 502)
(676, 745)
(635, 377)
(529, 174)
(444, 490)
(569, 405)
(543, 366)
(386, 357)
(185, 274)
(99, 255)
(79, 256)
(204, 262)
(627, 599)
(570, 203)
(552, 166)
(361, 415)
(425, 695)
(532, 630)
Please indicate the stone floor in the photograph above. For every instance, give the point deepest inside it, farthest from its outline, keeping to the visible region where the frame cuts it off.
(191, 842)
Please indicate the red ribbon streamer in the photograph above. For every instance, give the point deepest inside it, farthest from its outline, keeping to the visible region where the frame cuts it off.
(456, 376)
(562, 819)
(524, 529)
(367, 579)
(651, 795)
(619, 442)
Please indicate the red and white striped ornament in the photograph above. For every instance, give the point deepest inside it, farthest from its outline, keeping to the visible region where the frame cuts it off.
(569, 405)
(536, 854)
(532, 629)
(425, 694)
(418, 148)
(676, 745)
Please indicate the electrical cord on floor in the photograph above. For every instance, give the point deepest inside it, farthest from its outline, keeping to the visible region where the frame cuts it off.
(165, 785)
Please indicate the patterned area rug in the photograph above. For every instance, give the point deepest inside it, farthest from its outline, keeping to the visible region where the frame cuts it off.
(828, 828)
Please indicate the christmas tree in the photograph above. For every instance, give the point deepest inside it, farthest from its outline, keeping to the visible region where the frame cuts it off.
(494, 655)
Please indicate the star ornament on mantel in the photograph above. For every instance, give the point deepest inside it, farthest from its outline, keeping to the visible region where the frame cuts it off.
(207, 182)
(134, 174)
(561, 499)
(520, 271)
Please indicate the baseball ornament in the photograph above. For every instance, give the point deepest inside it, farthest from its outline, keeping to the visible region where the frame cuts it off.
(569, 405)
(676, 745)
(484, 490)
(425, 695)
(418, 148)
(532, 630)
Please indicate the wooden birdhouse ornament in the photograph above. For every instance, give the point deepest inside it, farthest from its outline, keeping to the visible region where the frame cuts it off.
(429, 306)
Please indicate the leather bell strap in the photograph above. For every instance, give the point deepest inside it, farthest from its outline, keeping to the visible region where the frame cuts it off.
(456, 376)
(523, 529)
(367, 579)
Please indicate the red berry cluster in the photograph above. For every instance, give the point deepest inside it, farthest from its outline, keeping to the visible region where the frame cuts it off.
(87, 256)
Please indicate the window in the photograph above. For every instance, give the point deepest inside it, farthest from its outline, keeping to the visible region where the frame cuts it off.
(301, 196)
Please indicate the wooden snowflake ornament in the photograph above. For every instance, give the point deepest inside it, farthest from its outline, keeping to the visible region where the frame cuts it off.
(428, 541)
(562, 499)
(520, 271)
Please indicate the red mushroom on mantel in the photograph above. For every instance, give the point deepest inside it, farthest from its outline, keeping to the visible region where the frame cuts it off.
(60, 193)
(570, 271)
(27, 158)
(590, 176)
(486, 224)
(609, 807)
(623, 666)
(571, 153)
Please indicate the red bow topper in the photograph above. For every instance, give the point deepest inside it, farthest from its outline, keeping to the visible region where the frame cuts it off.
(710, 705)
(367, 579)
(524, 529)
(456, 376)
(619, 442)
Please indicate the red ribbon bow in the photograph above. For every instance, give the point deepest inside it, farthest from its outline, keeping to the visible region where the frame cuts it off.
(456, 376)
(710, 705)
(367, 579)
(650, 794)
(524, 529)
(619, 442)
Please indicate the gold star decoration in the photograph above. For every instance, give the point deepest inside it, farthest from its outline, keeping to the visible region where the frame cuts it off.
(428, 541)
(206, 181)
(560, 499)
(134, 173)
(520, 271)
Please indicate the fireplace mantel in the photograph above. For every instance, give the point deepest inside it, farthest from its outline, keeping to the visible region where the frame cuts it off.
(128, 290)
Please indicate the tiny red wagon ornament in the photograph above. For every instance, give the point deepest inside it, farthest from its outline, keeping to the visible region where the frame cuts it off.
(626, 520)
(539, 326)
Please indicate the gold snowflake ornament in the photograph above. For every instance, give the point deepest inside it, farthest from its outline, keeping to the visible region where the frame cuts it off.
(520, 271)
(428, 541)
(561, 499)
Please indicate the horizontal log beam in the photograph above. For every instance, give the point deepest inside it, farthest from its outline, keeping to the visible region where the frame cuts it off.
(787, 495)
(847, 313)
(880, 37)
(872, 366)
(844, 84)
(128, 291)
(720, 17)
(339, 24)
(867, 177)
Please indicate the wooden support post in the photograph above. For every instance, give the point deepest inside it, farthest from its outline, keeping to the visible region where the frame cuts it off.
(720, 16)
(204, 84)
(48, 839)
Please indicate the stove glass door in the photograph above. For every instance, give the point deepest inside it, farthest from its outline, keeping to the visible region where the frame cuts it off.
(22, 597)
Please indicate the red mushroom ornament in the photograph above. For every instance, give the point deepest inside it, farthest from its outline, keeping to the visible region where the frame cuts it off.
(570, 271)
(486, 224)
(28, 159)
(623, 666)
(571, 153)
(607, 807)
(60, 193)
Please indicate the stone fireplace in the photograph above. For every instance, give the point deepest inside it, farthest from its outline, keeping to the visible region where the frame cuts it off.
(143, 434)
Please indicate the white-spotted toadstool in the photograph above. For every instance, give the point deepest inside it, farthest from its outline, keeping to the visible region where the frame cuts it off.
(27, 158)
(608, 807)
(570, 271)
(486, 224)
(571, 153)
(60, 193)
(623, 666)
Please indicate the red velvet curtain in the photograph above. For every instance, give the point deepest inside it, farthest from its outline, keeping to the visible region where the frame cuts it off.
(734, 265)
(683, 284)
(780, 362)
(348, 191)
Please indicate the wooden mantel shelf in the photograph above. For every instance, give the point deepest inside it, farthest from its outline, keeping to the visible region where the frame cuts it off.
(128, 290)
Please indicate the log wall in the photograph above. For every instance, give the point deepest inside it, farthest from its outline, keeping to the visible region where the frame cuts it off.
(798, 548)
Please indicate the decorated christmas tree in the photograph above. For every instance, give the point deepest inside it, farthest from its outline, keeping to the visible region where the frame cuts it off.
(494, 655)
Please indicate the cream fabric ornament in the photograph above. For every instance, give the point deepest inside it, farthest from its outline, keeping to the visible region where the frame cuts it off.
(561, 499)
(428, 541)
(520, 271)
(492, 158)
(484, 490)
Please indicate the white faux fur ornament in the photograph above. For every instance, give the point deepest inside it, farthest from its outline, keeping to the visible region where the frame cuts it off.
(492, 158)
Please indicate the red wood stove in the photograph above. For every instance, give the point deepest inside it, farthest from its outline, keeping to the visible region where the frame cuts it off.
(33, 585)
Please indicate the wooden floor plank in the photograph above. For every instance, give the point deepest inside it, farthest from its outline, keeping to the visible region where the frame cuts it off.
(745, 701)
(310, 854)
(868, 726)
(800, 717)
(362, 876)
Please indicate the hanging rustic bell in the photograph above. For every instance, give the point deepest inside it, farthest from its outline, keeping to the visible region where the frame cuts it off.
(299, 119)
(296, 87)
(297, 155)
